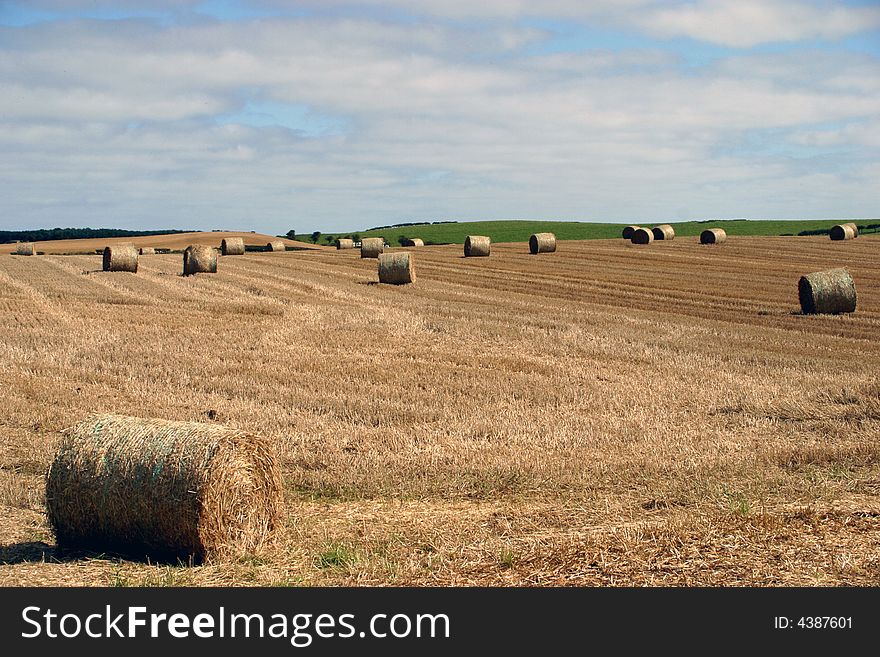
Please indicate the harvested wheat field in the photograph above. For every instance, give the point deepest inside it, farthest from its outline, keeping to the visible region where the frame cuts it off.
(603, 415)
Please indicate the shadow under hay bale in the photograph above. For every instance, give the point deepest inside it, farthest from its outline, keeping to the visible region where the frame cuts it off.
(232, 246)
(121, 257)
(25, 249)
(477, 246)
(542, 243)
(276, 245)
(713, 236)
(199, 259)
(397, 268)
(628, 232)
(415, 241)
(663, 232)
(372, 247)
(344, 243)
(827, 292)
(147, 250)
(642, 236)
(164, 490)
(842, 232)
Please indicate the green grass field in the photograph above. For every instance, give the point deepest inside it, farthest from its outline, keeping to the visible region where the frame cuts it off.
(519, 231)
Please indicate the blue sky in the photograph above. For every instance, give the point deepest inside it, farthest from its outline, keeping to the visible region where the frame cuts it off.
(337, 115)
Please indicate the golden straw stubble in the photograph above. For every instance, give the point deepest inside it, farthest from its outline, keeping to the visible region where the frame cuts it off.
(164, 489)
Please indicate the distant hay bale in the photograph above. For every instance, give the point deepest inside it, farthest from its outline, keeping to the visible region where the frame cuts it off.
(843, 232)
(276, 245)
(26, 248)
(232, 246)
(542, 243)
(121, 257)
(147, 250)
(415, 241)
(827, 292)
(477, 245)
(663, 232)
(199, 259)
(713, 236)
(179, 490)
(855, 228)
(642, 236)
(344, 243)
(372, 247)
(628, 232)
(397, 268)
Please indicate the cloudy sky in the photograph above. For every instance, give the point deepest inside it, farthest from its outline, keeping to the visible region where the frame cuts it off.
(338, 115)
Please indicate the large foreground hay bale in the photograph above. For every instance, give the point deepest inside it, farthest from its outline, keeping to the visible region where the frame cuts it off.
(477, 245)
(199, 259)
(121, 257)
(542, 243)
(830, 292)
(344, 243)
(26, 248)
(628, 232)
(413, 241)
(663, 232)
(642, 236)
(167, 489)
(232, 246)
(713, 236)
(397, 268)
(371, 247)
(276, 245)
(147, 250)
(842, 232)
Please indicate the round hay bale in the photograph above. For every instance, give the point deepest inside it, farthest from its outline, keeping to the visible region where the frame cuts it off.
(415, 241)
(276, 245)
(542, 243)
(121, 257)
(628, 232)
(713, 236)
(147, 250)
(372, 247)
(477, 245)
(232, 246)
(199, 259)
(397, 268)
(178, 490)
(344, 243)
(828, 292)
(642, 236)
(855, 228)
(663, 232)
(26, 249)
(842, 232)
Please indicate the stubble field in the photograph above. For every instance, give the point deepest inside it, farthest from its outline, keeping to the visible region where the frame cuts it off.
(605, 415)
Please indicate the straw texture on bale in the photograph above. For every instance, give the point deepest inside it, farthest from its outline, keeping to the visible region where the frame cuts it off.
(121, 257)
(397, 268)
(628, 232)
(232, 246)
(344, 243)
(663, 232)
(415, 241)
(542, 243)
(371, 247)
(477, 245)
(26, 248)
(842, 232)
(854, 227)
(276, 245)
(173, 490)
(199, 259)
(642, 236)
(147, 250)
(831, 292)
(713, 236)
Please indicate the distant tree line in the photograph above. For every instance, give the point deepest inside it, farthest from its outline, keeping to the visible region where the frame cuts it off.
(49, 234)
(412, 223)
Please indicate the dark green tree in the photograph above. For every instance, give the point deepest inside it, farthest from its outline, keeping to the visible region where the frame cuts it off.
(291, 234)
(316, 236)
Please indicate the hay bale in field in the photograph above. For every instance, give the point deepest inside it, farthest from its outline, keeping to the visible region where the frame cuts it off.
(842, 232)
(232, 246)
(832, 292)
(713, 236)
(147, 250)
(372, 247)
(542, 243)
(642, 236)
(276, 245)
(199, 259)
(477, 245)
(26, 249)
(855, 228)
(415, 241)
(121, 257)
(397, 268)
(167, 489)
(344, 243)
(628, 232)
(663, 232)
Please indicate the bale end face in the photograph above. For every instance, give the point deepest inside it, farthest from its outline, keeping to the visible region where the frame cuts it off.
(120, 257)
(628, 232)
(829, 292)
(642, 236)
(372, 247)
(542, 243)
(477, 246)
(232, 246)
(397, 268)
